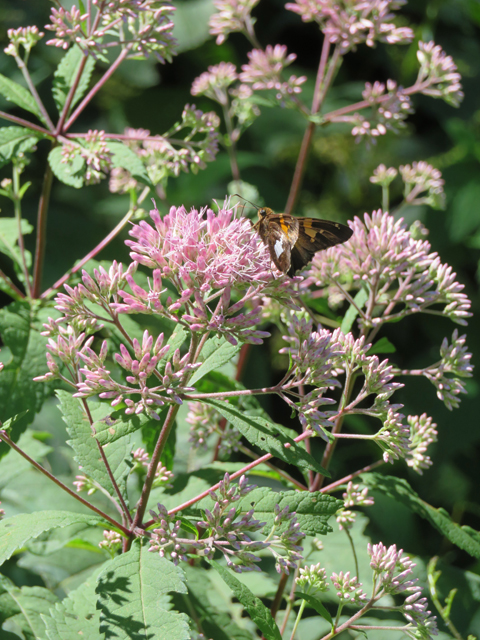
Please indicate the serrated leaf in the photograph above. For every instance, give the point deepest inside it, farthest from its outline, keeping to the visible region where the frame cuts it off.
(25, 606)
(216, 352)
(66, 73)
(76, 615)
(381, 346)
(20, 96)
(9, 240)
(85, 445)
(14, 140)
(268, 437)
(16, 531)
(125, 158)
(117, 425)
(71, 172)
(313, 509)
(20, 327)
(399, 490)
(352, 311)
(315, 604)
(255, 608)
(132, 597)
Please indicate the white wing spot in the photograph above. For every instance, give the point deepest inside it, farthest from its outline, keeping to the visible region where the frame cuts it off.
(278, 247)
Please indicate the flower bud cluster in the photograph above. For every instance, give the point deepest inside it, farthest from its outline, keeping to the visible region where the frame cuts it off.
(421, 177)
(138, 370)
(229, 531)
(438, 75)
(220, 83)
(232, 16)
(312, 579)
(406, 277)
(350, 23)
(454, 364)
(392, 575)
(143, 28)
(348, 589)
(354, 496)
(390, 107)
(264, 72)
(204, 422)
(168, 155)
(141, 461)
(383, 176)
(422, 433)
(94, 155)
(112, 541)
(26, 37)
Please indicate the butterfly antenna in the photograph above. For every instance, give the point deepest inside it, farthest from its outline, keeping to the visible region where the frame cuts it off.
(239, 196)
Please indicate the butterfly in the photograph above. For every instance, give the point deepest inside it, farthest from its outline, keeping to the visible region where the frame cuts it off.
(292, 242)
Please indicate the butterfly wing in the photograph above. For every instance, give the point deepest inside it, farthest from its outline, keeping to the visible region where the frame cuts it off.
(279, 233)
(315, 235)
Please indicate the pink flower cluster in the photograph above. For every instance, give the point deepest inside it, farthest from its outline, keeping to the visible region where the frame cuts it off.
(349, 23)
(142, 27)
(404, 276)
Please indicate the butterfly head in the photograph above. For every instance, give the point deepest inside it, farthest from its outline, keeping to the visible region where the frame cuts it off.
(263, 212)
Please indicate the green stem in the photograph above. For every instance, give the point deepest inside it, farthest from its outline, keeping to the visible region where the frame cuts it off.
(73, 494)
(18, 217)
(231, 147)
(42, 230)
(298, 618)
(33, 91)
(13, 287)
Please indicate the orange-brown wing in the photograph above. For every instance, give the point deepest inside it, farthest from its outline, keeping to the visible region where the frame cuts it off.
(315, 235)
(279, 233)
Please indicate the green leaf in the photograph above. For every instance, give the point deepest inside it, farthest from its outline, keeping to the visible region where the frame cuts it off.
(14, 465)
(117, 425)
(86, 447)
(9, 240)
(315, 604)
(24, 607)
(71, 172)
(216, 352)
(20, 96)
(16, 531)
(352, 311)
(268, 437)
(14, 140)
(133, 597)
(313, 509)
(382, 346)
(76, 615)
(127, 159)
(66, 73)
(215, 624)
(253, 605)
(178, 337)
(399, 490)
(20, 327)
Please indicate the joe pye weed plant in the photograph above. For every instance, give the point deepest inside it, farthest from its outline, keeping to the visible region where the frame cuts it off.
(190, 513)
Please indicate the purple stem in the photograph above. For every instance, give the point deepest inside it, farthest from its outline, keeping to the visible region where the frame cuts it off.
(6, 439)
(90, 255)
(25, 123)
(121, 57)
